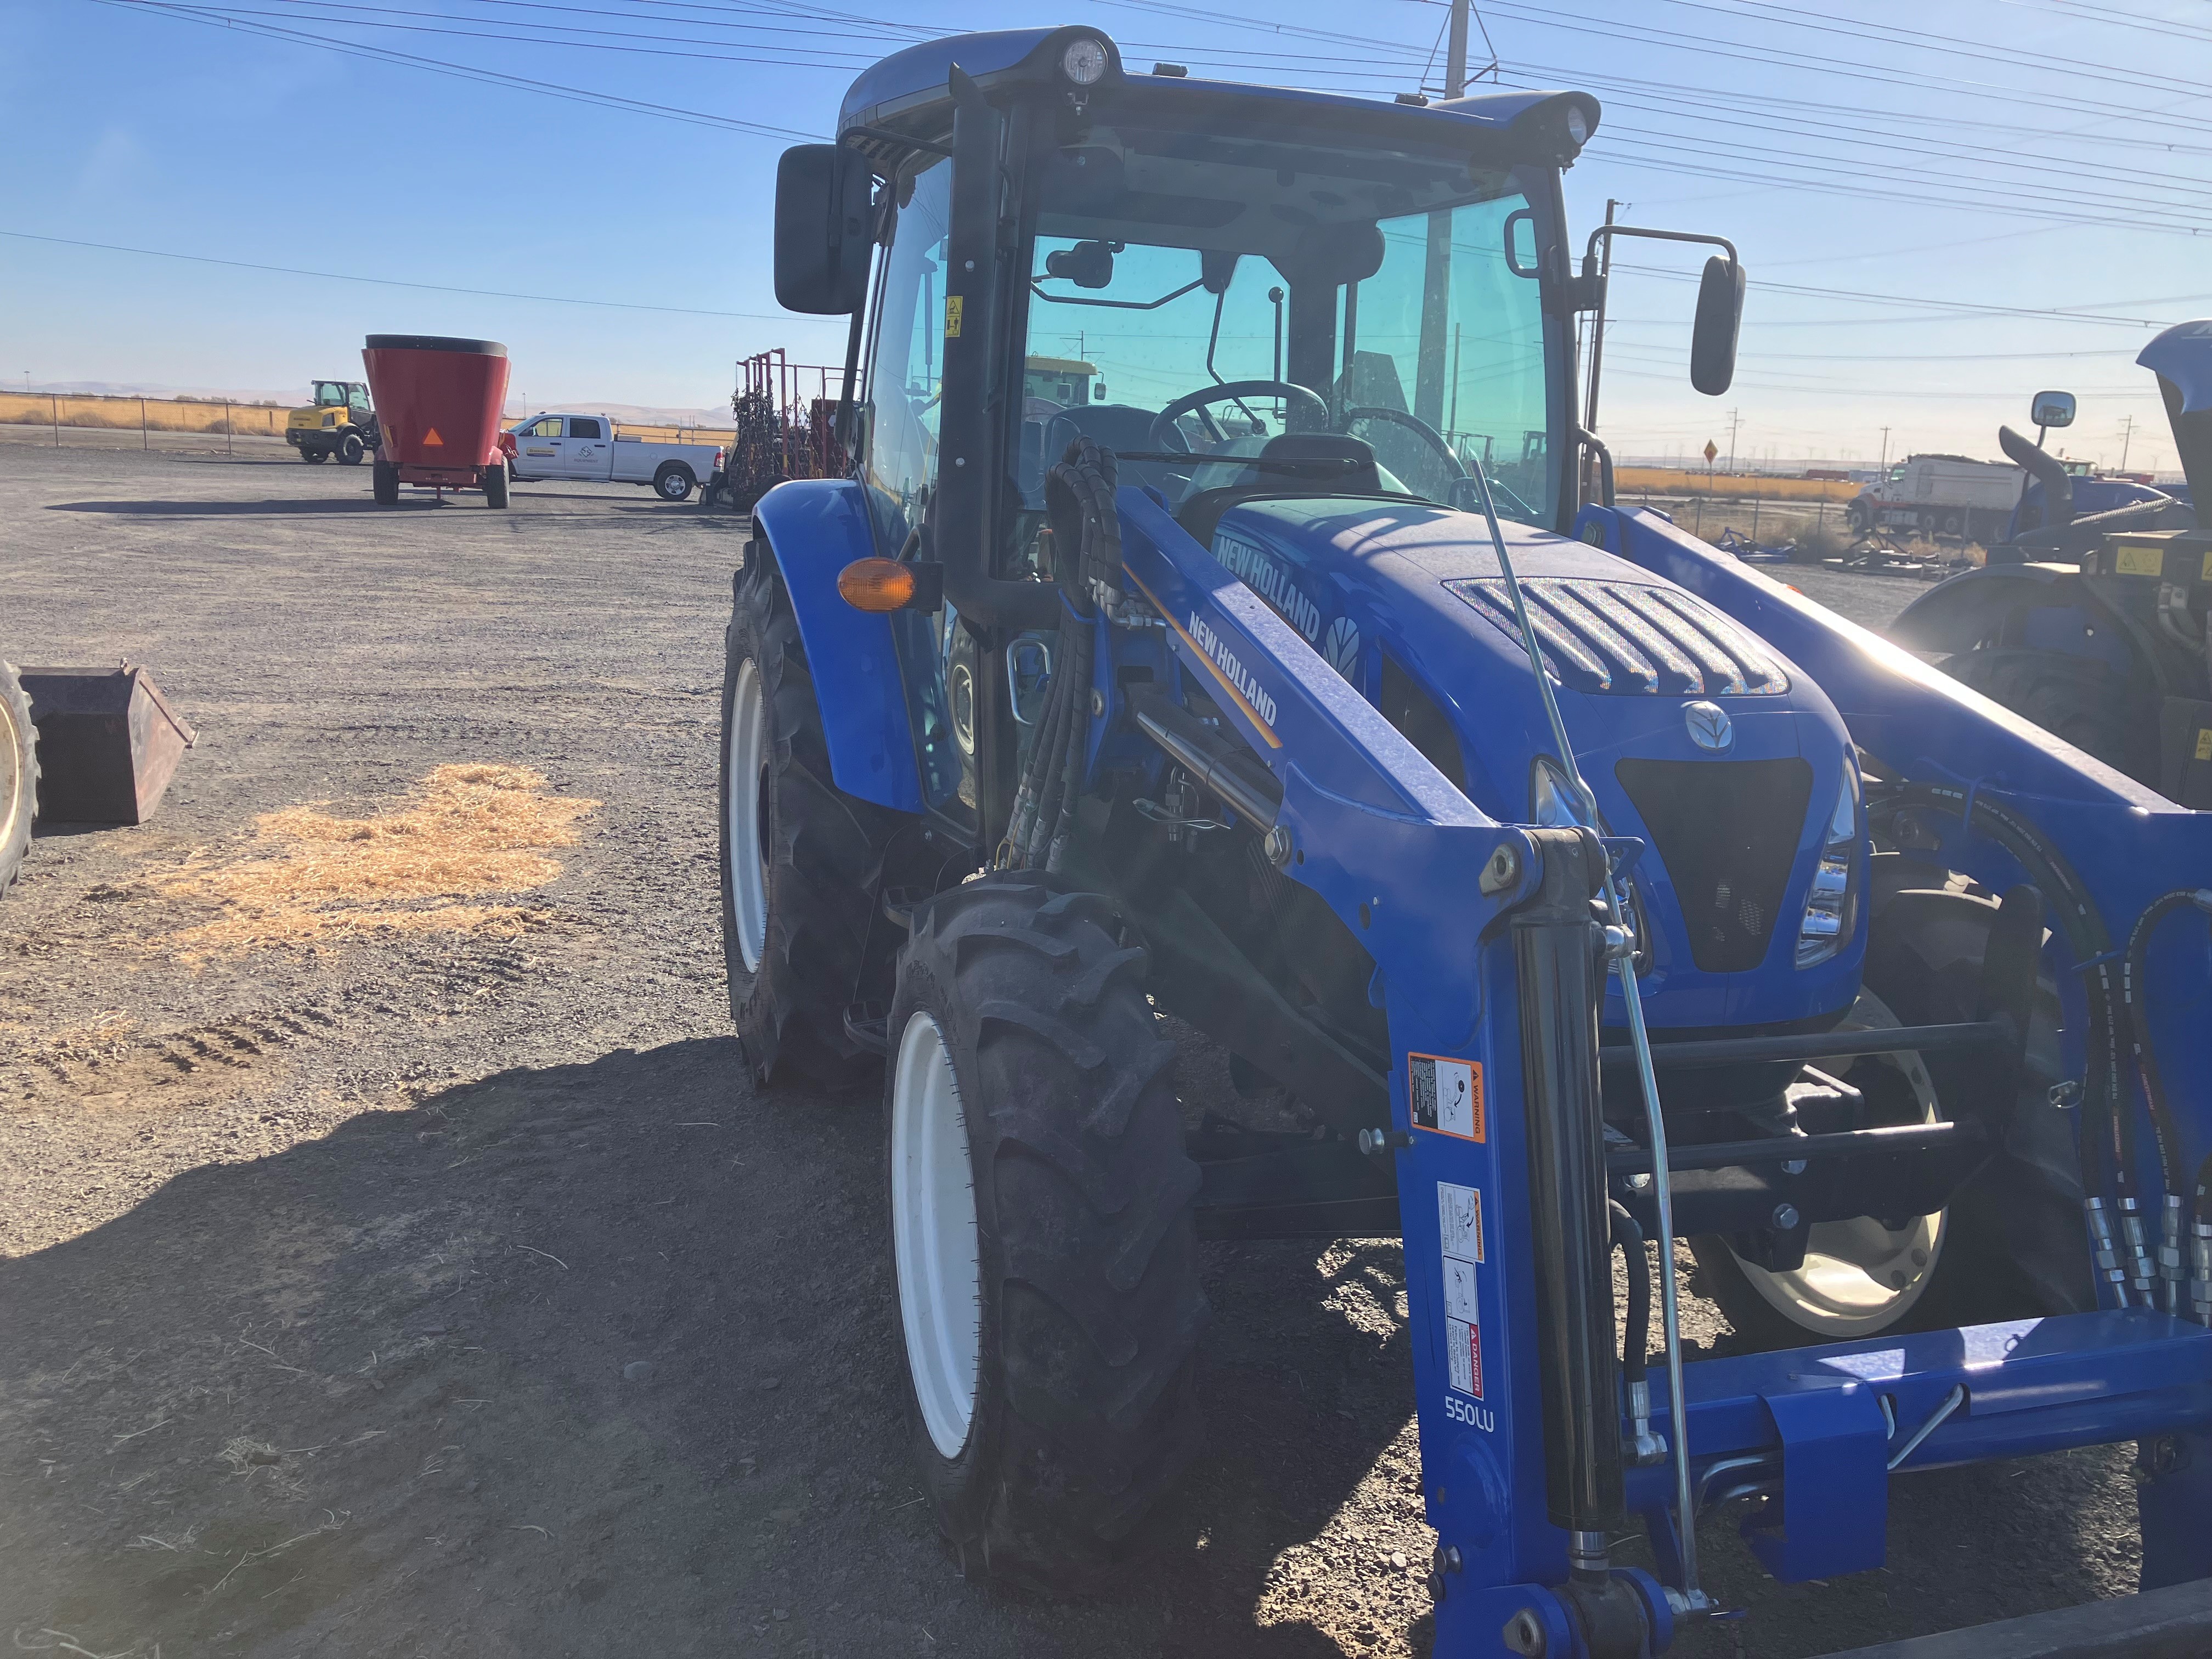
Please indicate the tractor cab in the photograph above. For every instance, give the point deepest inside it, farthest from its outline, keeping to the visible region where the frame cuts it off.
(351, 395)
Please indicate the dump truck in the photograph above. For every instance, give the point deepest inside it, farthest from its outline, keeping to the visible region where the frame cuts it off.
(336, 421)
(1584, 888)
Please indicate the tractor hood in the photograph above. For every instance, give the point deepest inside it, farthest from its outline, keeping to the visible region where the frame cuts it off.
(1695, 735)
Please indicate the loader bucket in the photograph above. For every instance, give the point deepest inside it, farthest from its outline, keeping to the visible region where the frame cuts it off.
(108, 743)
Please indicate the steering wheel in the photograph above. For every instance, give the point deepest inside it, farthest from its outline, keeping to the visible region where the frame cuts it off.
(1163, 423)
(1437, 440)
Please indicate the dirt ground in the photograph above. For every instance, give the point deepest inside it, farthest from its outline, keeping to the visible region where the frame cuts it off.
(394, 1261)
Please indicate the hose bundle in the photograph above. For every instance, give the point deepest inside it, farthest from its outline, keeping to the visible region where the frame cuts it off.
(1086, 532)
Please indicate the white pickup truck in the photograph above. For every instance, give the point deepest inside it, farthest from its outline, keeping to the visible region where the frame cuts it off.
(588, 447)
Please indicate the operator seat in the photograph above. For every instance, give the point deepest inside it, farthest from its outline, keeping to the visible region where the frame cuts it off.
(1341, 466)
(1120, 427)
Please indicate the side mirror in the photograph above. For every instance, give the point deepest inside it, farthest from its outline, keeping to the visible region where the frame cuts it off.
(2052, 408)
(1720, 319)
(822, 230)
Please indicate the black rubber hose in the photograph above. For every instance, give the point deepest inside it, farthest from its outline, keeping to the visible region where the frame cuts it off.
(2161, 1114)
(1636, 1343)
(2106, 1137)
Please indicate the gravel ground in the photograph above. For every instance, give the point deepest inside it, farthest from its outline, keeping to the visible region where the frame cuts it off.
(397, 1263)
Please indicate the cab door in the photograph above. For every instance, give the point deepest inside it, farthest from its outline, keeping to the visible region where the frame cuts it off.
(537, 448)
(588, 450)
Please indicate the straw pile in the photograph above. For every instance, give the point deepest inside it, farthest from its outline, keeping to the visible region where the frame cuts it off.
(463, 833)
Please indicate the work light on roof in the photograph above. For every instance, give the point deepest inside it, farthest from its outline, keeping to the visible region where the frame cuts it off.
(1083, 61)
(1577, 126)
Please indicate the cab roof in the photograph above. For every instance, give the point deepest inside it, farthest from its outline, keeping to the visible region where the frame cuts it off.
(907, 92)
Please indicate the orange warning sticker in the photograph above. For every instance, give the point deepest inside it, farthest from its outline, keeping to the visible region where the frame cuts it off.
(1445, 1095)
(431, 437)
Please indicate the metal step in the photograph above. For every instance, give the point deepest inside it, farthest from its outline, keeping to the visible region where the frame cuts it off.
(2173, 1623)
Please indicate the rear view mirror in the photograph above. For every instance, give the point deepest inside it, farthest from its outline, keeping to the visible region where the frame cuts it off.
(822, 230)
(2052, 408)
(1720, 319)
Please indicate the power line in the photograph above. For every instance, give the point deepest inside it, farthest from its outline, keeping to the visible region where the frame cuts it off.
(393, 282)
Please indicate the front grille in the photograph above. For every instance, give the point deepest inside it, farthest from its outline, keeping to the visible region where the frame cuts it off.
(1627, 637)
(1727, 832)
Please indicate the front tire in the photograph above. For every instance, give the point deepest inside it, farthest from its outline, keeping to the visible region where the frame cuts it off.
(2009, 1246)
(801, 859)
(1042, 1231)
(19, 774)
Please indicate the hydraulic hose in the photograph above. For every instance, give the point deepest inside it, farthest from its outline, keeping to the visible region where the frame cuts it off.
(1636, 1343)
(2200, 1247)
(2108, 1132)
(2173, 1268)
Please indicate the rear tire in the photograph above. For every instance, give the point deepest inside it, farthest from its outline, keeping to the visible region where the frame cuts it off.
(350, 449)
(317, 457)
(495, 484)
(19, 774)
(801, 859)
(383, 482)
(2010, 1245)
(1042, 1235)
(673, 482)
(2069, 697)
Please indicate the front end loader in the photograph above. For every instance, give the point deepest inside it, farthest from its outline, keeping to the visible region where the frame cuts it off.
(1585, 887)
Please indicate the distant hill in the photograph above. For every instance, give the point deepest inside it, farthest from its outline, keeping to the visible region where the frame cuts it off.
(291, 397)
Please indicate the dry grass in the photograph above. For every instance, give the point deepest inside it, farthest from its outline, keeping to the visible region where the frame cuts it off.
(463, 833)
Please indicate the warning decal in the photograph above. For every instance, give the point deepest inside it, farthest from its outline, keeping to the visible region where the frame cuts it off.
(2204, 734)
(1445, 1095)
(955, 304)
(431, 438)
(1459, 1220)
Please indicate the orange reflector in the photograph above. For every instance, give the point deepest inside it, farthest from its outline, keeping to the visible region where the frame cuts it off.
(432, 437)
(877, 585)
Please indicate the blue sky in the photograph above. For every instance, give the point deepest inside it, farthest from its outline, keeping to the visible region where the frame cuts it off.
(1971, 164)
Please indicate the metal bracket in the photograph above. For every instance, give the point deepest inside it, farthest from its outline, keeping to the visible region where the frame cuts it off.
(1834, 1511)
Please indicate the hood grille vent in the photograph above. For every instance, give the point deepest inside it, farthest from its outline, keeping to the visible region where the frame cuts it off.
(1623, 637)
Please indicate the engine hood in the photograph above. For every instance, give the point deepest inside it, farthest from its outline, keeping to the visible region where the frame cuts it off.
(1691, 732)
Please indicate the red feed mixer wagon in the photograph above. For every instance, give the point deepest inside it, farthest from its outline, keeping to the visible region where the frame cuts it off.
(438, 403)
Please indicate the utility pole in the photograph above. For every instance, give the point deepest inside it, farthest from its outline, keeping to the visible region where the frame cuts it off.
(1736, 419)
(2127, 436)
(1436, 281)
(1882, 470)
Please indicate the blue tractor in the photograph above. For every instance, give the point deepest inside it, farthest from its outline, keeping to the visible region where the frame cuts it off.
(2091, 619)
(1226, 617)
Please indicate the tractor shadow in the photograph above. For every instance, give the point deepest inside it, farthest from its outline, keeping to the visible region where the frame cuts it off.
(604, 1358)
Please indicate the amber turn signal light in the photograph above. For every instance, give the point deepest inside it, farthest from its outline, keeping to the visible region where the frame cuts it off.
(883, 584)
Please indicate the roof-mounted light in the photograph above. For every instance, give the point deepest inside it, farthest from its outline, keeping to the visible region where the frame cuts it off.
(1084, 60)
(1577, 126)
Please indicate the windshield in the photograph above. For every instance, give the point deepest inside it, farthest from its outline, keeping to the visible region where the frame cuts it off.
(328, 392)
(1379, 305)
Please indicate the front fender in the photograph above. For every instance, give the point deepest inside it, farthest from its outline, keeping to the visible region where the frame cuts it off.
(1955, 615)
(814, 527)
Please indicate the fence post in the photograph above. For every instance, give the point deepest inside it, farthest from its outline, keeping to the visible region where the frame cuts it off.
(144, 442)
(226, 426)
(55, 399)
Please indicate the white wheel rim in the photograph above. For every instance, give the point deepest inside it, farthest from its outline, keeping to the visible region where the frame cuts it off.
(940, 1280)
(1859, 1277)
(748, 757)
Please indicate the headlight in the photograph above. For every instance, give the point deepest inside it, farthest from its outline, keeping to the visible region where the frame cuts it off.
(1831, 907)
(1083, 61)
(1577, 126)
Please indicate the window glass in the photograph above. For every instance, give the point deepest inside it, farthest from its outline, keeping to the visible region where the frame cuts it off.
(906, 366)
(581, 428)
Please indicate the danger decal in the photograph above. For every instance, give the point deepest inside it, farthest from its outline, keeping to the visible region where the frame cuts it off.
(1459, 1217)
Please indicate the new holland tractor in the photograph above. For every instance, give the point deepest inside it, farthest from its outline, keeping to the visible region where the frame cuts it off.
(1585, 887)
(2092, 620)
